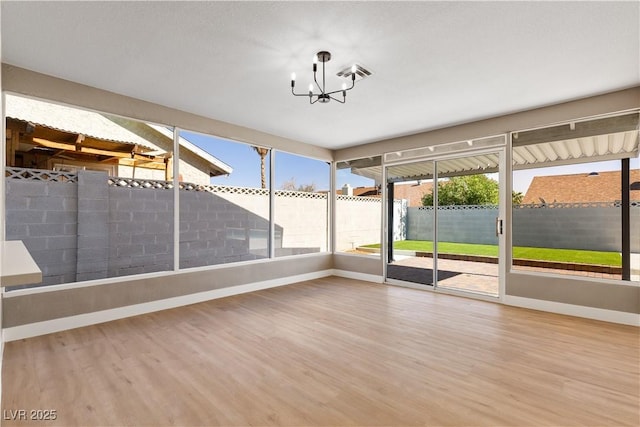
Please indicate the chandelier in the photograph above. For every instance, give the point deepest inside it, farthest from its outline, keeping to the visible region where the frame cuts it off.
(324, 96)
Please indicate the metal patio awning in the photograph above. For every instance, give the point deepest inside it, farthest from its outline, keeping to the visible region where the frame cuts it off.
(601, 139)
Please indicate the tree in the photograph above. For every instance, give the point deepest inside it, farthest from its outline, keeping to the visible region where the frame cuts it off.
(262, 152)
(469, 190)
(516, 197)
(290, 185)
(465, 190)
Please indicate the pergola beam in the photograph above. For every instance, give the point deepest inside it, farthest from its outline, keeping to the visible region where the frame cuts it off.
(124, 158)
(575, 130)
(97, 151)
(139, 164)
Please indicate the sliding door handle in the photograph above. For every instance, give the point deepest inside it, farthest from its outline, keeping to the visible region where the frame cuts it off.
(498, 226)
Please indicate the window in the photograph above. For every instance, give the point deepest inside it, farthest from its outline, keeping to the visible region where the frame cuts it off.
(87, 192)
(301, 206)
(224, 201)
(568, 210)
(359, 206)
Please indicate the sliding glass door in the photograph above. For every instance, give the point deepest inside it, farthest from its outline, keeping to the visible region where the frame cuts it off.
(444, 222)
(468, 223)
(410, 223)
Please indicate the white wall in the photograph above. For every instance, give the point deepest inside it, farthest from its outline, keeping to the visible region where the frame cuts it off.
(358, 221)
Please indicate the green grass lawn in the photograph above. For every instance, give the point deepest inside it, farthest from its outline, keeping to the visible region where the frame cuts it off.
(543, 254)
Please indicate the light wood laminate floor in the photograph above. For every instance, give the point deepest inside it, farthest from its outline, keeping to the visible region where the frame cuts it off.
(332, 352)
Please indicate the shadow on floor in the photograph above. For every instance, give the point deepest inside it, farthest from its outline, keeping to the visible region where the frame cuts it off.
(424, 276)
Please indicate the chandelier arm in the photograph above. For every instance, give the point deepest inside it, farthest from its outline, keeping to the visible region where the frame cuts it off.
(318, 84)
(339, 90)
(336, 99)
(353, 84)
(342, 90)
(301, 94)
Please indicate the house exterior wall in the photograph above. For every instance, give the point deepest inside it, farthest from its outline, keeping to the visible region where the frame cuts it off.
(190, 171)
(193, 169)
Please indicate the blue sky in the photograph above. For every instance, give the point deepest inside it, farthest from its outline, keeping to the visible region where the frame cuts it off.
(246, 167)
(246, 164)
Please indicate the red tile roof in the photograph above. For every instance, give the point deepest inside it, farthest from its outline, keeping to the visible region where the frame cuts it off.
(584, 187)
(411, 192)
(363, 191)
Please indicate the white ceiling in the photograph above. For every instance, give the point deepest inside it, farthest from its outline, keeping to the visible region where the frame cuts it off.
(435, 63)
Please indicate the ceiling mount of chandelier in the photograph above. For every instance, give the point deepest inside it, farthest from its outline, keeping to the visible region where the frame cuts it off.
(323, 96)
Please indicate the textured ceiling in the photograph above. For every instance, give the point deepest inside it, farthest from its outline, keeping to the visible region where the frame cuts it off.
(434, 64)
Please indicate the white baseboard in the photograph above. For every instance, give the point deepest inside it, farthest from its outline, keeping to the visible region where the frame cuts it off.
(80, 320)
(358, 276)
(574, 310)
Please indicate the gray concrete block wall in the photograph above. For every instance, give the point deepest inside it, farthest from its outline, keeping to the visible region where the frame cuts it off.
(587, 228)
(93, 229)
(140, 230)
(44, 216)
(468, 226)
(454, 225)
(97, 231)
(88, 230)
(214, 230)
(419, 224)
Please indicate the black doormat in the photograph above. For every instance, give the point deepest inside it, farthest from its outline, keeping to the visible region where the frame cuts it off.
(423, 276)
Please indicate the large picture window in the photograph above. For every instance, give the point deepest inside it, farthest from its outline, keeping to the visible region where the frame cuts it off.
(576, 207)
(88, 193)
(224, 201)
(359, 206)
(301, 205)
(92, 196)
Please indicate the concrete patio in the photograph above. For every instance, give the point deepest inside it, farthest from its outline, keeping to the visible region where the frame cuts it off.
(477, 277)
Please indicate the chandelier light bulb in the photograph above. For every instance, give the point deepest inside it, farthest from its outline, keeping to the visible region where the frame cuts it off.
(310, 87)
(344, 86)
(354, 69)
(293, 77)
(315, 59)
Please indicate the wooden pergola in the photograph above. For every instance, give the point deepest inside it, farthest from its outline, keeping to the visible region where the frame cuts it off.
(28, 140)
